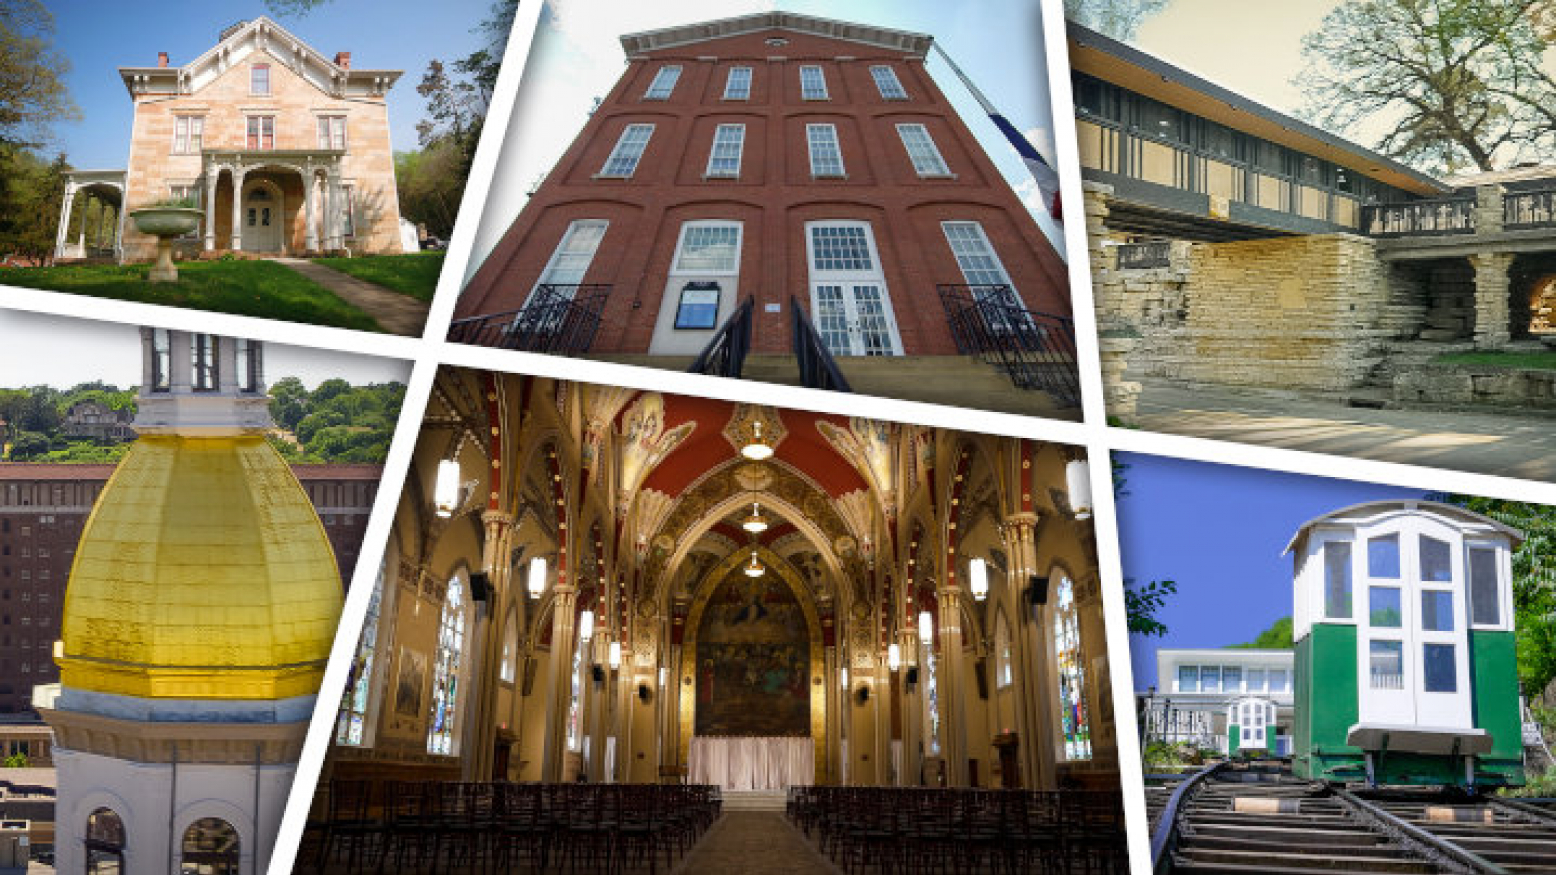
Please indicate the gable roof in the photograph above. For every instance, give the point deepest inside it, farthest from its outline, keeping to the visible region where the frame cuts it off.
(272, 39)
(915, 44)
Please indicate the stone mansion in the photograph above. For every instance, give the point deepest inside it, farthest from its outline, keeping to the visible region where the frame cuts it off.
(284, 149)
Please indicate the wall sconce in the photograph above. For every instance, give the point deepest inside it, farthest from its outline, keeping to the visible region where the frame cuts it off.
(586, 626)
(893, 657)
(446, 491)
(756, 449)
(1078, 476)
(537, 576)
(978, 578)
(613, 655)
(926, 627)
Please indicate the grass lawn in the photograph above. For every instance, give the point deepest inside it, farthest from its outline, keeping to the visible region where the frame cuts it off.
(1544, 361)
(414, 274)
(246, 288)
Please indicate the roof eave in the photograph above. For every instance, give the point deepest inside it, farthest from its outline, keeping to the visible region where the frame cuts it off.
(916, 44)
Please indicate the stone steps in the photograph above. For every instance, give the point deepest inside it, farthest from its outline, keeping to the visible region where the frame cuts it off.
(754, 800)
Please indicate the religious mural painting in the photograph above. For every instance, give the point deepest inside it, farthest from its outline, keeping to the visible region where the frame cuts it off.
(753, 657)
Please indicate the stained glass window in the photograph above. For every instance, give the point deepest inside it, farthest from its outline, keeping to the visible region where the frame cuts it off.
(575, 701)
(931, 702)
(349, 729)
(1075, 722)
(445, 670)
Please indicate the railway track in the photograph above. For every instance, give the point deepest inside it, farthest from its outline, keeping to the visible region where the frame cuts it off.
(1258, 818)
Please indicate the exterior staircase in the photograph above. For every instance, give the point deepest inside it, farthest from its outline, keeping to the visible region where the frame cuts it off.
(958, 381)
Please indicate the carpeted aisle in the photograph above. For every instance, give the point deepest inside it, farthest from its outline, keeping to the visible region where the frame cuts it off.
(754, 843)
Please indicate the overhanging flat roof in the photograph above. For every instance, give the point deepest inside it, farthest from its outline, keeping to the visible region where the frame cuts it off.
(1112, 61)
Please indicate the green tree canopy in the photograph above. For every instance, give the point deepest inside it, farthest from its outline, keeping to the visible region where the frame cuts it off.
(1277, 637)
(1119, 19)
(1458, 83)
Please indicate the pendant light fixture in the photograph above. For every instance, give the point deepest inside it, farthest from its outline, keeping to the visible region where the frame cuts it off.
(978, 578)
(757, 449)
(1078, 479)
(755, 569)
(755, 523)
(537, 576)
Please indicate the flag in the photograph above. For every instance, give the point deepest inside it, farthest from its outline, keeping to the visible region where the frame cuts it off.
(1047, 178)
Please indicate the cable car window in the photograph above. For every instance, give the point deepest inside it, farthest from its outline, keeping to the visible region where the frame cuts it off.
(1484, 591)
(1383, 557)
(1438, 668)
(1435, 564)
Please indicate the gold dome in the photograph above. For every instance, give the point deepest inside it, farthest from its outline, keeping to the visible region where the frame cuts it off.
(203, 573)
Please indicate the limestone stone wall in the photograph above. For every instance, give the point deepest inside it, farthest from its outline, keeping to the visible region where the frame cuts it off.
(1308, 312)
(296, 104)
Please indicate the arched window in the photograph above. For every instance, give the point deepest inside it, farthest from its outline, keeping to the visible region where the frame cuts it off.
(446, 670)
(350, 728)
(1004, 673)
(507, 669)
(210, 848)
(575, 699)
(1074, 720)
(104, 843)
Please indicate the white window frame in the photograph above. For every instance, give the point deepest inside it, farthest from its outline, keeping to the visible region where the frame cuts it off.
(680, 242)
(887, 83)
(560, 252)
(188, 134)
(829, 140)
(332, 132)
(736, 141)
(876, 274)
(263, 132)
(816, 89)
(664, 83)
(254, 80)
(628, 151)
(738, 88)
(922, 153)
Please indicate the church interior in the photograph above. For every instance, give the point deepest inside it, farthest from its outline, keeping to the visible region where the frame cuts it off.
(615, 627)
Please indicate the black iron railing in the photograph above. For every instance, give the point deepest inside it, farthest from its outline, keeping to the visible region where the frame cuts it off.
(1455, 215)
(818, 370)
(1036, 349)
(1141, 256)
(1532, 208)
(725, 354)
(559, 319)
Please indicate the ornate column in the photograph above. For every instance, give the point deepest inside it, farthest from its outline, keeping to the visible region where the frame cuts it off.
(237, 208)
(1491, 294)
(913, 752)
(559, 681)
(332, 210)
(64, 219)
(212, 176)
(953, 720)
(487, 634)
(1034, 695)
(310, 225)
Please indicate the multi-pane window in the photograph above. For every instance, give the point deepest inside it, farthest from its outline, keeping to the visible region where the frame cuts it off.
(664, 83)
(261, 132)
(350, 729)
(446, 670)
(1386, 665)
(571, 260)
(1484, 589)
(921, 150)
(813, 83)
(887, 83)
(332, 132)
(709, 248)
(259, 79)
(1188, 678)
(1337, 580)
(840, 247)
(826, 157)
(250, 365)
(737, 85)
(1074, 719)
(507, 669)
(970, 246)
(724, 157)
(188, 134)
(161, 360)
(623, 160)
(1004, 675)
(203, 350)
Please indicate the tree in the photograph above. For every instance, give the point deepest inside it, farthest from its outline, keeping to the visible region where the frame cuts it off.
(1277, 637)
(32, 87)
(1460, 83)
(1119, 19)
(293, 7)
(1142, 602)
(16, 760)
(28, 445)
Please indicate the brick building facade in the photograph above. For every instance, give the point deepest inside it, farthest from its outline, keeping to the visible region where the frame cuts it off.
(778, 158)
(43, 508)
(286, 150)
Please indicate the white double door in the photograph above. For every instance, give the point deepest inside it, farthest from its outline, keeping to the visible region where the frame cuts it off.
(849, 303)
(1413, 619)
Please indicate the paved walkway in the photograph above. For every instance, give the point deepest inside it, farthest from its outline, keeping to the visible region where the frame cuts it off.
(754, 843)
(394, 312)
(1506, 444)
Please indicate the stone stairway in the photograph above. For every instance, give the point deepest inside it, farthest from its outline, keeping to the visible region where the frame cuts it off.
(754, 800)
(958, 381)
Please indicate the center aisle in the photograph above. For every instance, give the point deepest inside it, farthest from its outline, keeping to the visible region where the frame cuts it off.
(754, 843)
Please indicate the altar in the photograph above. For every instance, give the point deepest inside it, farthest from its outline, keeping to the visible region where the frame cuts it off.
(752, 762)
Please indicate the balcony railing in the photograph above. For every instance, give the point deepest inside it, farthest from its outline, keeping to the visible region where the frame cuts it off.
(559, 319)
(1143, 256)
(1418, 218)
(1036, 349)
(725, 354)
(1531, 208)
(818, 370)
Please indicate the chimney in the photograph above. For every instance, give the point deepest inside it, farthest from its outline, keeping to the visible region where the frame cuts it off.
(161, 59)
(343, 60)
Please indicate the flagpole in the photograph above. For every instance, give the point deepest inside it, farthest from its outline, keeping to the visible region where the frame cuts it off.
(977, 95)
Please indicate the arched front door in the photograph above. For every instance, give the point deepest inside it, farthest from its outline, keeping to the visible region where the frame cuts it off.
(262, 218)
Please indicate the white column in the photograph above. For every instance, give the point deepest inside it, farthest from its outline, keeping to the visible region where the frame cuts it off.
(64, 219)
(212, 174)
(237, 209)
(332, 211)
(81, 239)
(310, 226)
